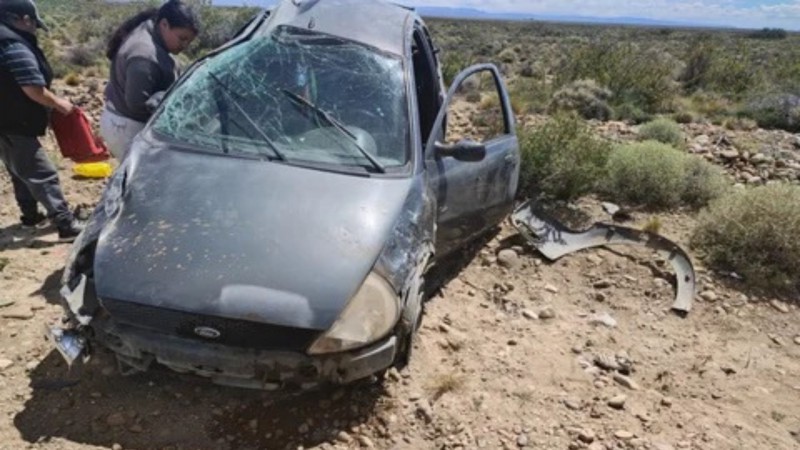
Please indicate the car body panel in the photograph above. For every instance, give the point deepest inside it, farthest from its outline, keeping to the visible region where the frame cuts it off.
(244, 239)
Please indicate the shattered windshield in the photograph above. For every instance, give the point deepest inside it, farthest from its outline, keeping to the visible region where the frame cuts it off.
(295, 96)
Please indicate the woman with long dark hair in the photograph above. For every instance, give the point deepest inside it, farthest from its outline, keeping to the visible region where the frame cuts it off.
(142, 64)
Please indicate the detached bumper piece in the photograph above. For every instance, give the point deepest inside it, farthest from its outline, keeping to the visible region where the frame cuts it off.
(554, 240)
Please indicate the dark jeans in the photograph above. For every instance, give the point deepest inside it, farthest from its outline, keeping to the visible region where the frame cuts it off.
(34, 178)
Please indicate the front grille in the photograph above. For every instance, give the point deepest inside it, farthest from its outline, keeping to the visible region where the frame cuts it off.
(233, 332)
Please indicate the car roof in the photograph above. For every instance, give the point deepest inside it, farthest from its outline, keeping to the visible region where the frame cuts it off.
(376, 23)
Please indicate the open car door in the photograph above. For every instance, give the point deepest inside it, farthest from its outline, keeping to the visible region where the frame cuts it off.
(475, 168)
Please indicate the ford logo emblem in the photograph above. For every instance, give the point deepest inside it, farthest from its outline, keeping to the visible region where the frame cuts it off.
(207, 332)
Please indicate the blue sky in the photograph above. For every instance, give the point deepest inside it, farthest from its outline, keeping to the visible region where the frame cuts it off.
(740, 13)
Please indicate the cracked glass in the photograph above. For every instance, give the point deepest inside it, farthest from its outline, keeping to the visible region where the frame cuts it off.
(297, 96)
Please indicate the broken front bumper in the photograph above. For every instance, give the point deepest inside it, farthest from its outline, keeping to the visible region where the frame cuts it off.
(137, 349)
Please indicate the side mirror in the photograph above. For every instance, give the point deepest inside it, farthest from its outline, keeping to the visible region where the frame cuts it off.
(466, 150)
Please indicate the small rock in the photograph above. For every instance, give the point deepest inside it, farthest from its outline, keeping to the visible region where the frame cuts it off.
(5, 364)
(626, 382)
(703, 139)
(17, 313)
(610, 208)
(602, 284)
(709, 296)
(116, 447)
(797, 340)
(606, 362)
(596, 446)
(604, 319)
(509, 259)
(600, 296)
(115, 419)
(366, 442)
(528, 314)
(547, 313)
(344, 437)
(522, 440)
(667, 401)
(776, 339)
(303, 428)
(575, 405)
(425, 410)
(586, 436)
(780, 306)
(729, 154)
(623, 435)
(617, 402)
(550, 288)
(136, 428)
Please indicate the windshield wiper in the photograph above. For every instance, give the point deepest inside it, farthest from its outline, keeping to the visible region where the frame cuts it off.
(252, 123)
(327, 117)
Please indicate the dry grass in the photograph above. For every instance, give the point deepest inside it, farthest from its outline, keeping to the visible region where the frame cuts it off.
(445, 383)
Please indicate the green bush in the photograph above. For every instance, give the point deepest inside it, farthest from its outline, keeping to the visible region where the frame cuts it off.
(561, 160)
(734, 71)
(635, 74)
(775, 111)
(584, 96)
(702, 182)
(656, 175)
(627, 112)
(662, 130)
(754, 232)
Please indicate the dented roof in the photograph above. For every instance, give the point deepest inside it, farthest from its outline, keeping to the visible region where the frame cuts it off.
(375, 23)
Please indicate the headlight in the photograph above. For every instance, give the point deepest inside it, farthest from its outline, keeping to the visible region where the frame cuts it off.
(369, 316)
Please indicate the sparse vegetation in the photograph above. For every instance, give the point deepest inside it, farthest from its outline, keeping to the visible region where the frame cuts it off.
(561, 160)
(656, 175)
(584, 96)
(754, 232)
(662, 130)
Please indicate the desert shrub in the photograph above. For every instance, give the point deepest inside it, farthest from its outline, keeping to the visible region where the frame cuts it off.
(507, 56)
(636, 74)
(452, 64)
(83, 55)
(702, 182)
(740, 124)
(711, 105)
(72, 79)
(562, 160)
(683, 117)
(656, 175)
(584, 96)
(534, 94)
(780, 111)
(769, 34)
(473, 97)
(732, 71)
(662, 130)
(753, 232)
(628, 112)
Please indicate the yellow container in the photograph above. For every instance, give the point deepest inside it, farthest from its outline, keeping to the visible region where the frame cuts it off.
(93, 170)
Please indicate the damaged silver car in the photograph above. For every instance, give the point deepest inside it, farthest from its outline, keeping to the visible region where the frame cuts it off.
(274, 222)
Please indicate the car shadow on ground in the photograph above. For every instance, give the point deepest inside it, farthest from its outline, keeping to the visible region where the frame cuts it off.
(50, 288)
(93, 404)
(15, 237)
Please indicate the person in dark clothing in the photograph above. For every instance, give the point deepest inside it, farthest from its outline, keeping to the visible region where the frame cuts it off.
(26, 100)
(142, 65)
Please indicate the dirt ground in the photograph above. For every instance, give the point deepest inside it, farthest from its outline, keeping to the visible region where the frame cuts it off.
(508, 356)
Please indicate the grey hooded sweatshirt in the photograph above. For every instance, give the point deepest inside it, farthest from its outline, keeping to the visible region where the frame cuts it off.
(142, 67)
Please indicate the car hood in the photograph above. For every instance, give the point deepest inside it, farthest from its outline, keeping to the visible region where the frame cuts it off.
(244, 239)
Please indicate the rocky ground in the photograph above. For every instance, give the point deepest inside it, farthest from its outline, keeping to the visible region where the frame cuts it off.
(514, 352)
